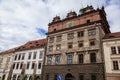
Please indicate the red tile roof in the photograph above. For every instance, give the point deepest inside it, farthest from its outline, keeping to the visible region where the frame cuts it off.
(32, 45)
(112, 35)
(8, 51)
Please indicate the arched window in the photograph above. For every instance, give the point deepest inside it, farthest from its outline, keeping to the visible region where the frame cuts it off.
(18, 77)
(30, 78)
(37, 78)
(69, 77)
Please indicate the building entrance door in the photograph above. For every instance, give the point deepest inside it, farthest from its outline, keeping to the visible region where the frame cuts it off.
(3, 78)
(68, 77)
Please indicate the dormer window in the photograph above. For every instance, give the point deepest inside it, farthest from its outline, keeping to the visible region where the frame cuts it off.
(88, 21)
(54, 30)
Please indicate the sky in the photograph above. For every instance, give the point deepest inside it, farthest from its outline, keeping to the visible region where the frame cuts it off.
(26, 20)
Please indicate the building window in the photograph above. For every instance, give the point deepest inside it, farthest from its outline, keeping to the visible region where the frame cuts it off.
(59, 38)
(113, 50)
(57, 59)
(81, 77)
(69, 59)
(70, 36)
(50, 48)
(29, 56)
(115, 65)
(17, 66)
(80, 43)
(80, 58)
(49, 60)
(47, 77)
(55, 77)
(92, 32)
(39, 65)
(19, 57)
(58, 47)
(92, 42)
(51, 40)
(80, 34)
(34, 56)
(33, 65)
(14, 66)
(15, 57)
(93, 77)
(23, 56)
(21, 65)
(28, 64)
(119, 49)
(92, 57)
(70, 45)
(41, 55)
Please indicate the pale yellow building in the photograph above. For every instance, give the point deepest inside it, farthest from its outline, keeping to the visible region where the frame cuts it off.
(6, 59)
(111, 46)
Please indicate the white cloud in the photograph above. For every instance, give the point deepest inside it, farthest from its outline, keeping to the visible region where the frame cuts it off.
(113, 15)
(20, 19)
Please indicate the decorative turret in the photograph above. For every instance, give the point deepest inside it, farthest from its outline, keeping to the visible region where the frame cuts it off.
(56, 19)
(85, 10)
(71, 14)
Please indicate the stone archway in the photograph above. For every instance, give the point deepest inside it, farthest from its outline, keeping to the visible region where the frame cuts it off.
(69, 76)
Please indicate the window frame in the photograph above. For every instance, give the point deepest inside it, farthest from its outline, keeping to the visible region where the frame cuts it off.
(70, 45)
(70, 36)
(58, 47)
(59, 38)
(57, 59)
(29, 55)
(28, 65)
(115, 65)
(80, 34)
(69, 59)
(49, 60)
(81, 58)
(51, 39)
(35, 55)
(92, 32)
(39, 65)
(93, 57)
(113, 50)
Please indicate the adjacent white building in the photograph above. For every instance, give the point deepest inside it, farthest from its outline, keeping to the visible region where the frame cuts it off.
(111, 46)
(28, 60)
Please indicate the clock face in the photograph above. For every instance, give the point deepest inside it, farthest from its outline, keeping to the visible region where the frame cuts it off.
(70, 24)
